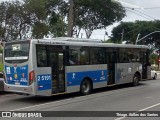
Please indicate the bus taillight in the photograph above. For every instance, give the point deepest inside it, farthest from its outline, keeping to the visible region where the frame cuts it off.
(31, 77)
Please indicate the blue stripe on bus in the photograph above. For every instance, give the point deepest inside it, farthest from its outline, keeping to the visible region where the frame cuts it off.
(75, 78)
(44, 82)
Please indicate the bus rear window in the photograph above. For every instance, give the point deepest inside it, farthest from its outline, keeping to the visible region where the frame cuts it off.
(16, 52)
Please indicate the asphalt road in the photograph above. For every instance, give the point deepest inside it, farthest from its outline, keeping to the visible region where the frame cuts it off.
(145, 97)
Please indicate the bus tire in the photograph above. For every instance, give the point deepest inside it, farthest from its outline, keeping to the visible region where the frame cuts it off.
(155, 76)
(86, 87)
(136, 79)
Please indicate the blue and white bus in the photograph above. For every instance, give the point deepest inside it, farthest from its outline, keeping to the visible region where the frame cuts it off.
(48, 67)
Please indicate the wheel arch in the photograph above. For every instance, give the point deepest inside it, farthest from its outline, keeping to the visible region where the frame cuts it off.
(86, 78)
(139, 74)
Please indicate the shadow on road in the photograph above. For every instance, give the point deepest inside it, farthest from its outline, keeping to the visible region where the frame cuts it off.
(42, 99)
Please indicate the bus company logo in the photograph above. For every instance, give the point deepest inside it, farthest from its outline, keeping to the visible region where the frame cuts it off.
(15, 76)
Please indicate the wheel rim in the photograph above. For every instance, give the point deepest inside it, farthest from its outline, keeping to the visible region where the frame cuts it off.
(155, 76)
(86, 86)
(135, 80)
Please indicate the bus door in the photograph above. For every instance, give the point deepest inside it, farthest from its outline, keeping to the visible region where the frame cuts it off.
(144, 67)
(111, 59)
(57, 68)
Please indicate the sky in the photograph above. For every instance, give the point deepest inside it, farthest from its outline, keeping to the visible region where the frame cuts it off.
(143, 10)
(135, 10)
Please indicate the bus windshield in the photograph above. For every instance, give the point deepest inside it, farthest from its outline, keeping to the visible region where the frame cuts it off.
(16, 52)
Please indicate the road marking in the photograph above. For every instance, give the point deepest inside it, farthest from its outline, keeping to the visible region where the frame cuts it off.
(120, 118)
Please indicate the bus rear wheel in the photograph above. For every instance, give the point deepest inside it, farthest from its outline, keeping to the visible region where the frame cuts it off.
(86, 87)
(136, 79)
(155, 76)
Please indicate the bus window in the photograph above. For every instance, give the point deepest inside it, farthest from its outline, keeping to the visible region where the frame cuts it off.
(73, 57)
(60, 58)
(84, 55)
(16, 52)
(41, 56)
(97, 55)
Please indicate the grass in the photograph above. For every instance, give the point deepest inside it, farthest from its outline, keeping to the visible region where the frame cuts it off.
(1, 67)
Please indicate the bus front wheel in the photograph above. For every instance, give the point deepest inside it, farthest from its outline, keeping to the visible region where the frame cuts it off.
(136, 79)
(86, 87)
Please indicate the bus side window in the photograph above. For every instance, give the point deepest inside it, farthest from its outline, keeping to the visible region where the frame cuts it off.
(41, 56)
(84, 55)
(71, 60)
(73, 56)
(39, 63)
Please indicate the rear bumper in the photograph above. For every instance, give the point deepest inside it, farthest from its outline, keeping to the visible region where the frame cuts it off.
(18, 89)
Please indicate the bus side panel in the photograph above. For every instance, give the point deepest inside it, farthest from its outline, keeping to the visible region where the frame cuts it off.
(43, 81)
(75, 74)
(124, 72)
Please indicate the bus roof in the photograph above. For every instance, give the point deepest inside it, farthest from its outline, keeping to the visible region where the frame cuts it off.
(68, 41)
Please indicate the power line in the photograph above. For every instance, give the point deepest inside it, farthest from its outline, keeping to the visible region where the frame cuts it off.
(127, 4)
(144, 14)
(147, 8)
(139, 14)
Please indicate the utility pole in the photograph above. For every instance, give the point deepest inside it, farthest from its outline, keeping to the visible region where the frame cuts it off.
(70, 19)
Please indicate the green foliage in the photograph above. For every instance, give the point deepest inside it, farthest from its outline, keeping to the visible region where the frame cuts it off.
(1, 50)
(19, 17)
(96, 14)
(57, 11)
(39, 30)
(132, 29)
(154, 59)
(1, 67)
(108, 41)
(88, 15)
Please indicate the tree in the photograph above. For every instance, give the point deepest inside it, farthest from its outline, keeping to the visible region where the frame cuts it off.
(23, 19)
(96, 14)
(57, 11)
(132, 29)
(18, 17)
(88, 14)
(125, 29)
(39, 30)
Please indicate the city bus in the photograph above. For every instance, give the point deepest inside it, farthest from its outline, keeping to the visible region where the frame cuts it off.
(46, 67)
